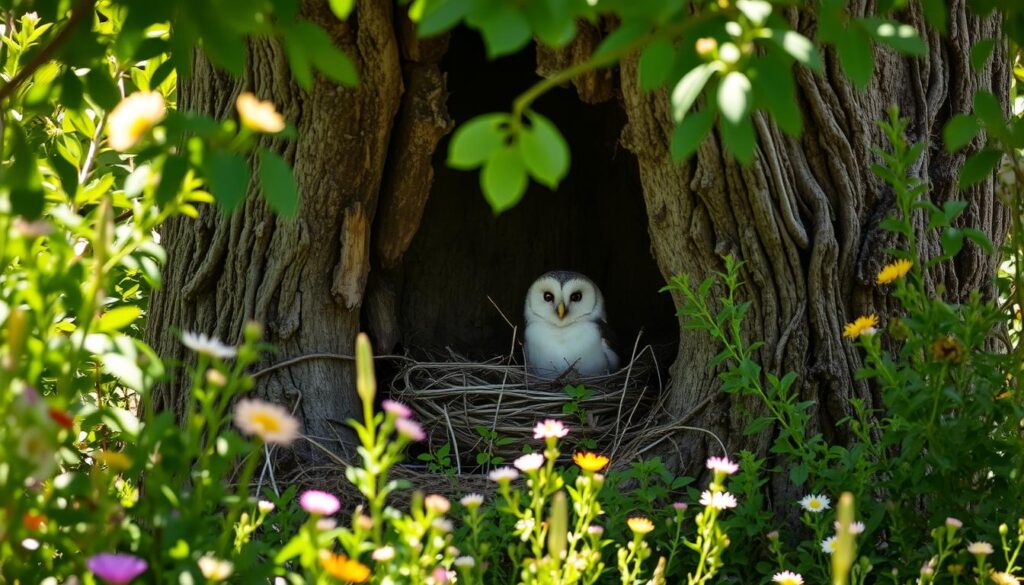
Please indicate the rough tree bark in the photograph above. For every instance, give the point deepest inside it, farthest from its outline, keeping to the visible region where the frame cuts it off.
(803, 217)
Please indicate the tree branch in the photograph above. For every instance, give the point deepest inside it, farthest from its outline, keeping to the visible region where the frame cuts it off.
(83, 8)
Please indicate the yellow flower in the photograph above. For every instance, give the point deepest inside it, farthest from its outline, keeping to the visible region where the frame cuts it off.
(893, 271)
(131, 119)
(863, 325)
(640, 525)
(1004, 579)
(947, 349)
(590, 461)
(257, 115)
(215, 569)
(114, 460)
(270, 422)
(343, 568)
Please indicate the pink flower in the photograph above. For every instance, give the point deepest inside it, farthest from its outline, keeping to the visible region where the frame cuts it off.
(318, 502)
(680, 506)
(396, 408)
(437, 504)
(529, 462)
(954, 523)
(722, 465)
(410, 429)
(117, 569)
(550, 429)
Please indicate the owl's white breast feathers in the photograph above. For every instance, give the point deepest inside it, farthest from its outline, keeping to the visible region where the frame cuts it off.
(551, 350)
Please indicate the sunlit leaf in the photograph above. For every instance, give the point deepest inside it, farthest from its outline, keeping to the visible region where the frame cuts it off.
(545, 152)
(688, 88)
(504, 179)
(278, 184)
(476, 140)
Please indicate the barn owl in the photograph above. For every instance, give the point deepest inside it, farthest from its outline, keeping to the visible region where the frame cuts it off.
(566, 327)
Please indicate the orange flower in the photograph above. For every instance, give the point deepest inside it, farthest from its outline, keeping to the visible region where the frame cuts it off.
(640, 525)
(343, 568)
(62, 418)
(863, 325)
(590, 461)
(33, 522)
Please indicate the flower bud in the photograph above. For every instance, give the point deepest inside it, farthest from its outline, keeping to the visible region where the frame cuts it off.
(706, 47)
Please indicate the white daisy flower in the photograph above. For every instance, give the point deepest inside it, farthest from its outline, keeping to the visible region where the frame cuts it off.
(815, 503)
(207, 345)
(788, 578)
(829, 545)
(718, 500)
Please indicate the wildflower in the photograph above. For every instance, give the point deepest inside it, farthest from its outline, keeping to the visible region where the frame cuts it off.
(32, 229)
(364, 522)
(464, 562)
(442, 525)
(396, 408)
(550, 429)
(680, 506)
(260, 116)
(440, 576)
(472, 501)
(529, 462)
(325, 524)
(503, 475)
(270, 422)
(318, 502)
(216, 378)
(829, 545)
(343, 568)
(524, 527)
(815, 503)
(206, 345)
(30, 544)
(131, 119)
(947, 349)
(61, 417)
(589, 461)
(955, 569)
(437, 504)
(894, 271)
(640, 525)
(773, 535)
(265, 507)
(36, 446)
(114, 460)
(117, 568)
(595, 530)
(1004, 579)
(383, 554)
(952, 522)
(215, 569)
(855, 527)
(410, 429)
(33, 522)
(864, 325)
(718, 500)
(980, 548)
(706, 46)
(722, 465)
(788, 578)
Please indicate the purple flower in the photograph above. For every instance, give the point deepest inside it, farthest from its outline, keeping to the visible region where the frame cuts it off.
(410, 429)
(117, 569)
(396, 408)
(318, 502)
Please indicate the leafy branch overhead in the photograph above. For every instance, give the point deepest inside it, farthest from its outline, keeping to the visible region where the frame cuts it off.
(722, 61)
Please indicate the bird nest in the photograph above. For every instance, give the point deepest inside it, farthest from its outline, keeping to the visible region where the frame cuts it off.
(486, 411)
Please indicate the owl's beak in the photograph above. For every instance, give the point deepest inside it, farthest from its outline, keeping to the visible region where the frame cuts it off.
(561, 310)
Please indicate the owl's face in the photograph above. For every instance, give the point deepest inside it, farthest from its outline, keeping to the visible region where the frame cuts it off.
(563, 298)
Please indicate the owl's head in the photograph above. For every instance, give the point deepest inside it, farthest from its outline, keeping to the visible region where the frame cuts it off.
(562, 298)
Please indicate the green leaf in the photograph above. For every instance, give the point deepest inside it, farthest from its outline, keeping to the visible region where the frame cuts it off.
(960, 131)
(228, 176)
(552, 22)
(655, 63)
(620, 38)
(66, 172)
(979, 167)
(979, 238)
(902, 37)
(504, 28)
(739, 138)
(798, 47)
(980, 53)
(171, 175)
(476, 140)
(689, 133)
(23, 178)
(952, 241)
(734, 96)
(935, 14)
(342, 8)
(688, 88)
(772, 79)
(756, 11)
(987, 107)
(798, 474)
(118, 318)
(441, 16)
(544, 150)
(319, 48)
(503, 179)
(278, 184)
(856, 56)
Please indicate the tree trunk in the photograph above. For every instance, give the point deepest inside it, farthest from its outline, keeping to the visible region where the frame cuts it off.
(383, 244)
(804, 219)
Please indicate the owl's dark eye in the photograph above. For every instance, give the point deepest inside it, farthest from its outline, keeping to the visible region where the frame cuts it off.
(548, 297)
(576, 297)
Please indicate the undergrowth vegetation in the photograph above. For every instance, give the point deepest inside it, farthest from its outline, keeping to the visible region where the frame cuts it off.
(98, 486)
